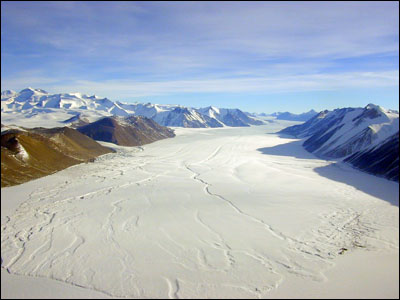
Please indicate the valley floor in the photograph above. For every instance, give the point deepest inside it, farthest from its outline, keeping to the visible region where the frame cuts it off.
(211, 213)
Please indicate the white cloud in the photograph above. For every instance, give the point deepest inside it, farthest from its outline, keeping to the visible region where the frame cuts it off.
(119, 89)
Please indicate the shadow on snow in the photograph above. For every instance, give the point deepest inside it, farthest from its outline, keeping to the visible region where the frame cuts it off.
(370, 184)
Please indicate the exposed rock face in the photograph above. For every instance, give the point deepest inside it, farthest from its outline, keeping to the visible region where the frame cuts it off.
(382, 160)
(32, 153)
(129, 131)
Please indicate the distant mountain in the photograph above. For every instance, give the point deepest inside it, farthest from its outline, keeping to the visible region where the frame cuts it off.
(32, 153)
(32, 102)
(7, 94)
(293, 117)
(231, 117)
(186, 117)
(76, 121)
(37, 98)
(126, 131)
(349, 131)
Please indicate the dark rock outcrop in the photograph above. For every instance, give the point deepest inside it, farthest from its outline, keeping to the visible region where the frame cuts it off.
(28, 154)
(129, 131)
(382, 160)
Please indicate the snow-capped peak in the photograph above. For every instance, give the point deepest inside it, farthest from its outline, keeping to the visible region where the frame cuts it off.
(78, 95)
(32, 91)
(322, 114)
(373, 106)
(7, 94)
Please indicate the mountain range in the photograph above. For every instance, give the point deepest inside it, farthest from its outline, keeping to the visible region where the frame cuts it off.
(31, 102)
(364, 137)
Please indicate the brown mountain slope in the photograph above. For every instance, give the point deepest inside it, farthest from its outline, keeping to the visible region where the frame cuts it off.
(129, 131)
(32, 153)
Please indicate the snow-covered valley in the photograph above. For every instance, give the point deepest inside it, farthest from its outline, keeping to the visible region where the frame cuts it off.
(210, 213)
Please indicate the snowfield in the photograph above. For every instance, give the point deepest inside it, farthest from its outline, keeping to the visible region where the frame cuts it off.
(211, 213)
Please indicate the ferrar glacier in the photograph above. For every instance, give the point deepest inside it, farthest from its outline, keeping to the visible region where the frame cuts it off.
(211, 213)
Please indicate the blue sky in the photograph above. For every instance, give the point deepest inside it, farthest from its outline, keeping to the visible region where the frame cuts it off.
(257, 56)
